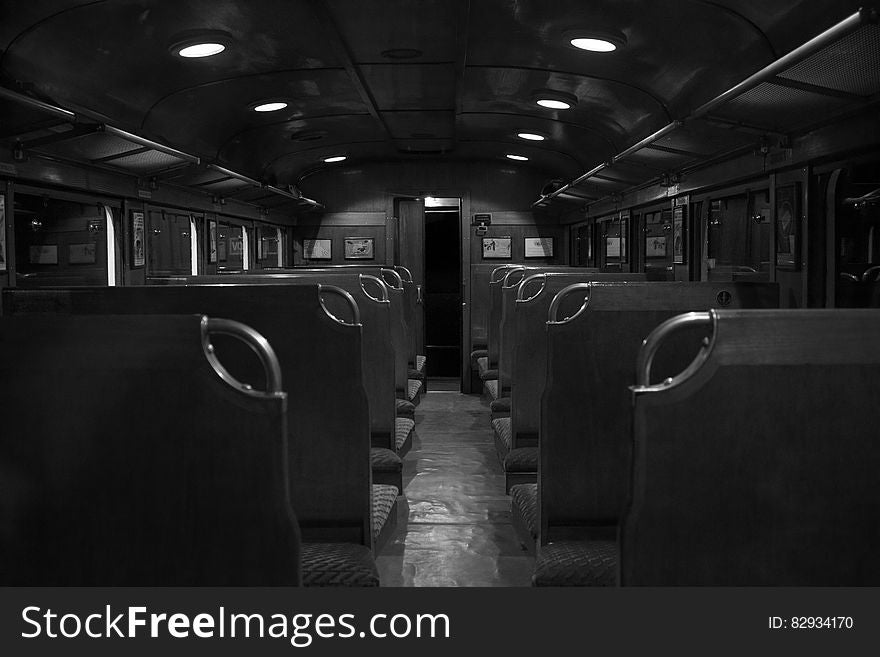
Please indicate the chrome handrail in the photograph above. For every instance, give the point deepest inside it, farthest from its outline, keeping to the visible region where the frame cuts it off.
(253, 339)
(652, 343)
(345, 294)
(564, 292)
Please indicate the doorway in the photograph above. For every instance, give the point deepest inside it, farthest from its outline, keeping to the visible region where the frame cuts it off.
(443, 289)
(429, 245)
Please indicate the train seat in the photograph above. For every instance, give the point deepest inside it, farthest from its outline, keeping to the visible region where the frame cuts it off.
(414, 387)
(387, 467)
(405, 409)
(501, 429)
(338, 564)
(524, 513)
(491, 388)
(404, 434)
(520, 466)
(383, 503)
(500, 407)
(577, 563)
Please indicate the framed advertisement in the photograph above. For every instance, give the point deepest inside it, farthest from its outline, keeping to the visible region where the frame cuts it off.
(539, 247)
(212, 241)
(358, 248)
(82, 254)
(43, 254)
(2, 232)
(497, 247)
(678, 235)
(137, 239)
(317, 249)
(787, 218)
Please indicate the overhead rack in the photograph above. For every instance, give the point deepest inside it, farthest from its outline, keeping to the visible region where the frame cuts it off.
(828, 76)
(67, 136)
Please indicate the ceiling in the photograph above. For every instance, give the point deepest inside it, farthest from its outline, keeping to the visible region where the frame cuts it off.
(387, 80)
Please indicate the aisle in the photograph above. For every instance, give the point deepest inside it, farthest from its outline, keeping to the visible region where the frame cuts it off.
(454, 519)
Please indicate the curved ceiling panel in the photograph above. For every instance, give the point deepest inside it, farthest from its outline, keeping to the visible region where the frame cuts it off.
(582, 145)
(201, 119)
(613, 108)
(115, 57)
(683, 52)
(256, 149)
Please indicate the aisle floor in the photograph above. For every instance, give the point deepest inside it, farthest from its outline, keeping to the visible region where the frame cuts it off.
(454, 525)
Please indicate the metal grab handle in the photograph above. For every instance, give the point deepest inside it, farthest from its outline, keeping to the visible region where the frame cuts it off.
(378, 281)
(524, 284)
(870, 270)
(419, 298)
(396, 277)
(564, 292)
(332, 289)
(253, 339)
(849, 277)
(652, 343)
(502, 268)
(514, 270)
(401, 268)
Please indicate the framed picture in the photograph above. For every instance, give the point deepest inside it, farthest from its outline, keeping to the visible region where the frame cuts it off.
(43, 254)
(678, 235)
(2, 233)
(358, 248)
(317, 249)
(539, 247)
(137, 239)
(655, 246)
(787, 219)
(82, 254)
(212, 241)
(497, 247)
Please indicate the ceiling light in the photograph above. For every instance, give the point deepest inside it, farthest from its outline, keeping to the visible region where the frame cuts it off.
(201, 50)
(550, 103)
(273, 106)
(195, 44)
(519, 158)
(593, 45)
(335, 158)
(552, 99)
(596, 40)
(530, 136)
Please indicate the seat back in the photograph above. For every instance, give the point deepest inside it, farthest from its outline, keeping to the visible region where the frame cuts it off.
(757, 465)
(129, 458)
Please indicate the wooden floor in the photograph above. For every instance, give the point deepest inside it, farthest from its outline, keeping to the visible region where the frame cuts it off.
(454, 524)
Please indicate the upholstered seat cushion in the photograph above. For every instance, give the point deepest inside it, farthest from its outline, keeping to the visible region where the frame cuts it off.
(491, 387)
(500, 405)
(421, 361)
(338, 564)
(501, 426)
(403, 428)
(383, 498)
(413, 388)
(483, 364)
(487, 375)
(576, 563)
(415, 374)
(521, 459)
(405, 408)
(384, 460)
(477, 354)
(524, 504)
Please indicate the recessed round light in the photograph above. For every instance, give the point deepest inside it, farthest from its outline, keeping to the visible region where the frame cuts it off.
(530, 136)
(593, 45)
(552, 99)
(273, 106)
(596, 40)
(196, 44)
(550, 103)
(197, 50)
(519, 158)
(335, 158)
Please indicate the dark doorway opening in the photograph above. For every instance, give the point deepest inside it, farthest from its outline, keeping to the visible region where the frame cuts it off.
(442, 287)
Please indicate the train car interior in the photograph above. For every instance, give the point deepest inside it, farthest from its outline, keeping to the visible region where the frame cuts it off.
(421, 293)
